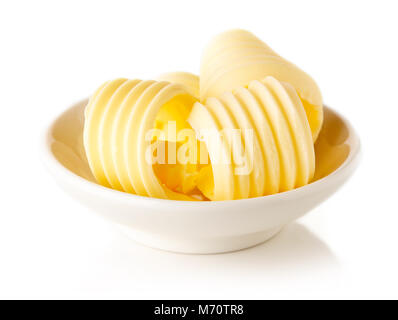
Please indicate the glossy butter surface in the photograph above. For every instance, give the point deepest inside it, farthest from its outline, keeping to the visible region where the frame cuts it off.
(243, 86)
(234, 58)
(283, 155)
(117, 119)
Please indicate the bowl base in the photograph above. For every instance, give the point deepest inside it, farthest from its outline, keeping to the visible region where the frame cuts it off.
(198, 245)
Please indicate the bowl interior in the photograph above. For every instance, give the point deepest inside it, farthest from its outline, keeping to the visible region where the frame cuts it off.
(332, 148)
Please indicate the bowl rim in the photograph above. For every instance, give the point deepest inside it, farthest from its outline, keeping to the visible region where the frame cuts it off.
(57, 169)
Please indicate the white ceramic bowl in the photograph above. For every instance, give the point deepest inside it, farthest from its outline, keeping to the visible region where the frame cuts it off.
(198, 227)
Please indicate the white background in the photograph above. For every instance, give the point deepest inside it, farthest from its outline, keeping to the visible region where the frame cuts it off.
(53, 53)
